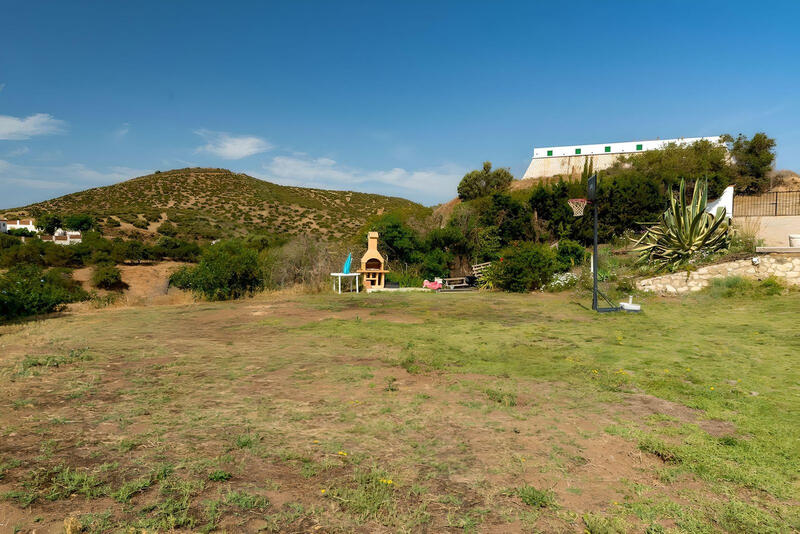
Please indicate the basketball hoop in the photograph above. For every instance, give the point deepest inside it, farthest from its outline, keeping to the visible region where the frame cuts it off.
(577, 205)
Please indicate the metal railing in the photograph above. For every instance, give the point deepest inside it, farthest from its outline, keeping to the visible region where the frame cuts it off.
(773, 204)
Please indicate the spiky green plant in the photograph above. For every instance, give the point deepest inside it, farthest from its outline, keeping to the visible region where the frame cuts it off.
(685, 232)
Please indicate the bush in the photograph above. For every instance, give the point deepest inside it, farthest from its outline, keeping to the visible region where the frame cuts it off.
(524, 267)
(27, 290)
(21, 232)
(405, 278)
(107, 277)
(570, 254)
(79, 222)
(737, 286)
(226, 270)
(300, 261)
(168, 229)
(479, 183)
(168, 247)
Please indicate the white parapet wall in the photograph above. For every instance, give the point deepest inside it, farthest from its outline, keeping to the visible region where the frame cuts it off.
(569, 160)
(783, 266)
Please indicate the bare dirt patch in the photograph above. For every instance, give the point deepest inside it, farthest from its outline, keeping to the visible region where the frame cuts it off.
(642, 406)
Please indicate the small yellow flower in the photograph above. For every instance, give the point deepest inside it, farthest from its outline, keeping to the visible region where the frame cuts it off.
(322, 491)
(341, 453)
(316, 441)
(616, 503)
(712, 388)
(666, 370)
(688, 368)
(595, 371)
(522, 459)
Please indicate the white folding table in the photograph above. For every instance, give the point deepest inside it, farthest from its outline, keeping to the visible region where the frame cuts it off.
(339, 276)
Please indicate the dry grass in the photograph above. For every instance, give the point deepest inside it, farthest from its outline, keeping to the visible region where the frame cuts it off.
(403, 413)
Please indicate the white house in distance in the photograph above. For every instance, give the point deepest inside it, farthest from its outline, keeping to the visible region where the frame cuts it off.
(63, 237)
(13, 224)
(569, 160)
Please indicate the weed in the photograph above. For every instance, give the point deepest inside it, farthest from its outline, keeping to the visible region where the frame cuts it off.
(246, 501)
(131, 488)
(391, 384)
(500, 397)
(599, 524)
(23, 498)
(367, 496)
(246, 441)
(66, 482)
(219, 476)
(535, 497)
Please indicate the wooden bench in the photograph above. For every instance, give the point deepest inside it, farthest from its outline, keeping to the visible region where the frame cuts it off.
(459, 283)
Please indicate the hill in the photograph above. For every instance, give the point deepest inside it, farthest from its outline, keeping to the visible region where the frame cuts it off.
(212, 203)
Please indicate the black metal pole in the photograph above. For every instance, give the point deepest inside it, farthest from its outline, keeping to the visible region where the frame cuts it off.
(594, 260)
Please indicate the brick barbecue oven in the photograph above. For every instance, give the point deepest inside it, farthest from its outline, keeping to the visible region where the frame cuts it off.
(373, 266)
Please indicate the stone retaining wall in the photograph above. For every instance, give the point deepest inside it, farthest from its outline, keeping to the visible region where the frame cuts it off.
(784, 266)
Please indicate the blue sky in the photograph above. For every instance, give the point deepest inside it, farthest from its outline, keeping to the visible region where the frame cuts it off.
(396, 98)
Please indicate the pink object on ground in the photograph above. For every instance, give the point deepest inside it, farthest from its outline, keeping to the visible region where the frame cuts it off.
(432, 285)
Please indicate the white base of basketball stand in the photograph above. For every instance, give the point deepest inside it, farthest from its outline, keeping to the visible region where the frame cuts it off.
(630, 306)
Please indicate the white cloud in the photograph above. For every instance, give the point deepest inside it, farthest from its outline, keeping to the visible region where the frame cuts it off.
(228, 146)
(31, 181)
(14, 128)
(432, 184)
(18, 152)
(122, 131)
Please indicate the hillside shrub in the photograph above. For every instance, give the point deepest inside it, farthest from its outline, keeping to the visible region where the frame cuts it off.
(21, 232)
(484, 181)
(524, 267)
(570, 254)
(168, 229)
(301, 261)
(511, 217)
(79, 222)
(737, 286)
(227, 270)
(176, 249)
(106, 277)
(27, 290)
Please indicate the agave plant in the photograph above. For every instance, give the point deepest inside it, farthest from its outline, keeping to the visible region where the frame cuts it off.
(685, 231)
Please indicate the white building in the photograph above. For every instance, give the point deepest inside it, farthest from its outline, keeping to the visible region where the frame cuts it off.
(569, 160)
(27, 224)
(63, 237)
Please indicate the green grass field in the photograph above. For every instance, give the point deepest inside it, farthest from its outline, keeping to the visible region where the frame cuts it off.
(405, 413)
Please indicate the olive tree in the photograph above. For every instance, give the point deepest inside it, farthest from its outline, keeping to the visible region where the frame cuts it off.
(483, 182)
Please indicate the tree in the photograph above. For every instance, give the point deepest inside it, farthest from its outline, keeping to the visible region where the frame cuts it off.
(483, 182)
(397, 238)
(79, 222)
(48, 223)
(752, 159)
(511, 217)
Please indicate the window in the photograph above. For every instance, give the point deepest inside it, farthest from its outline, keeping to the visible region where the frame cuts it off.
(638, 147)
(608, 149)
(577, 150)
(549, 152)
